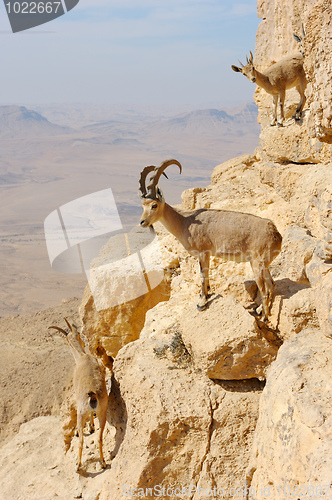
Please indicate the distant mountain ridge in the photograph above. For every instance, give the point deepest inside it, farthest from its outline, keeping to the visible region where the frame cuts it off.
(211, 121)
(20, 121)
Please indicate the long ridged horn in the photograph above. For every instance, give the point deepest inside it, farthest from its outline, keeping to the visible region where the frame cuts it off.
(251, 59)
(145, 172)
(68, 324)
(152, 187)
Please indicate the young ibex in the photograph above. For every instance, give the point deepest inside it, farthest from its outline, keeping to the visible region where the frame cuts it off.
(204, 232)
(278, 78)
(90, 389)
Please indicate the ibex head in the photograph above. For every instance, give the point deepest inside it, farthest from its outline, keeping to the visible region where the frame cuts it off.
(300, 39)
(247, 70)
(74, 334)
(151, 195)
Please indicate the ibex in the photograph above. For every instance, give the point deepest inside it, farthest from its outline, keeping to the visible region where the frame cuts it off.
(204, 232)
(278, 78)
(90, 389)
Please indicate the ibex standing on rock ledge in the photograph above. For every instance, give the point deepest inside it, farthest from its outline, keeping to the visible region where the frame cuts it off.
(90, 389)
(230, 235)
(278, 78)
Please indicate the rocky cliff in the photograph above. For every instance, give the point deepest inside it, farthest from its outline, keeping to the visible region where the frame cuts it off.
(215, 404)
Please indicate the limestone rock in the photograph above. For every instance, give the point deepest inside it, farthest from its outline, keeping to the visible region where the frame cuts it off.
(174, 428)
(317, 45)
(290, 143)
(177, 431)
(33, 465)
(226, 342)
(28, 351)
(294, 308)
(239, 163)
(324, 304)
(319, 214)
(293, 436)
(298, 247)
(319, 271)
(122, 288)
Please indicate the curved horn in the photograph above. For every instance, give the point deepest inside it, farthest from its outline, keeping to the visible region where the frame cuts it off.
(251, 59)
(59, 329)
(302, 29)
(145, 172)
(68, 324)
(152, 187)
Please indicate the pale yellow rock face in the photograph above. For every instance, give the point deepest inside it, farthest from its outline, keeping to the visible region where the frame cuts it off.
(119, 293)
(175, 418)
(292, 445)
(117, 326)
(226, 342)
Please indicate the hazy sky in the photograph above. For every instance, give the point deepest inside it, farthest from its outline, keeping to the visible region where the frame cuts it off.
(145, 52)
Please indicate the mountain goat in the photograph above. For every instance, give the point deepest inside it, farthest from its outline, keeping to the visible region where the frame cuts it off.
(277, 78)
(205, 232)
(90, 389)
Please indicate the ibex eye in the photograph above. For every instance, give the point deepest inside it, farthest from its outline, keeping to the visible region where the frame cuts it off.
(154, 206)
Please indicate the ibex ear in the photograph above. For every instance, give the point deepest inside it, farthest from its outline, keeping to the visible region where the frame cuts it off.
(297, 38)
(236, 68)
(159, 194)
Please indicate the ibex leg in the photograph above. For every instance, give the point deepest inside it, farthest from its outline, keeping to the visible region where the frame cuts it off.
(275, 106)
(282, 95)
(204, 264)
(262, 275)
(102, 422)
(300, 106)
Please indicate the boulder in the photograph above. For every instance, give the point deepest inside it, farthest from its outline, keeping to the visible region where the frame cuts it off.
(129, 277)
(225, 341)
(297, 250)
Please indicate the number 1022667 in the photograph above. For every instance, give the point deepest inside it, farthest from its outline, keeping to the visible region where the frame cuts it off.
(33, 7)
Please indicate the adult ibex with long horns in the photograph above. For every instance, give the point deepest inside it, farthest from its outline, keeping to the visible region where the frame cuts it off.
(230, 235)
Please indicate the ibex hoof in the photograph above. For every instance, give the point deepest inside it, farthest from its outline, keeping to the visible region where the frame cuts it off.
(78, 467)
(260, 313)
(201, 304)
(259, 310)
(280, 124)
(103, 464)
